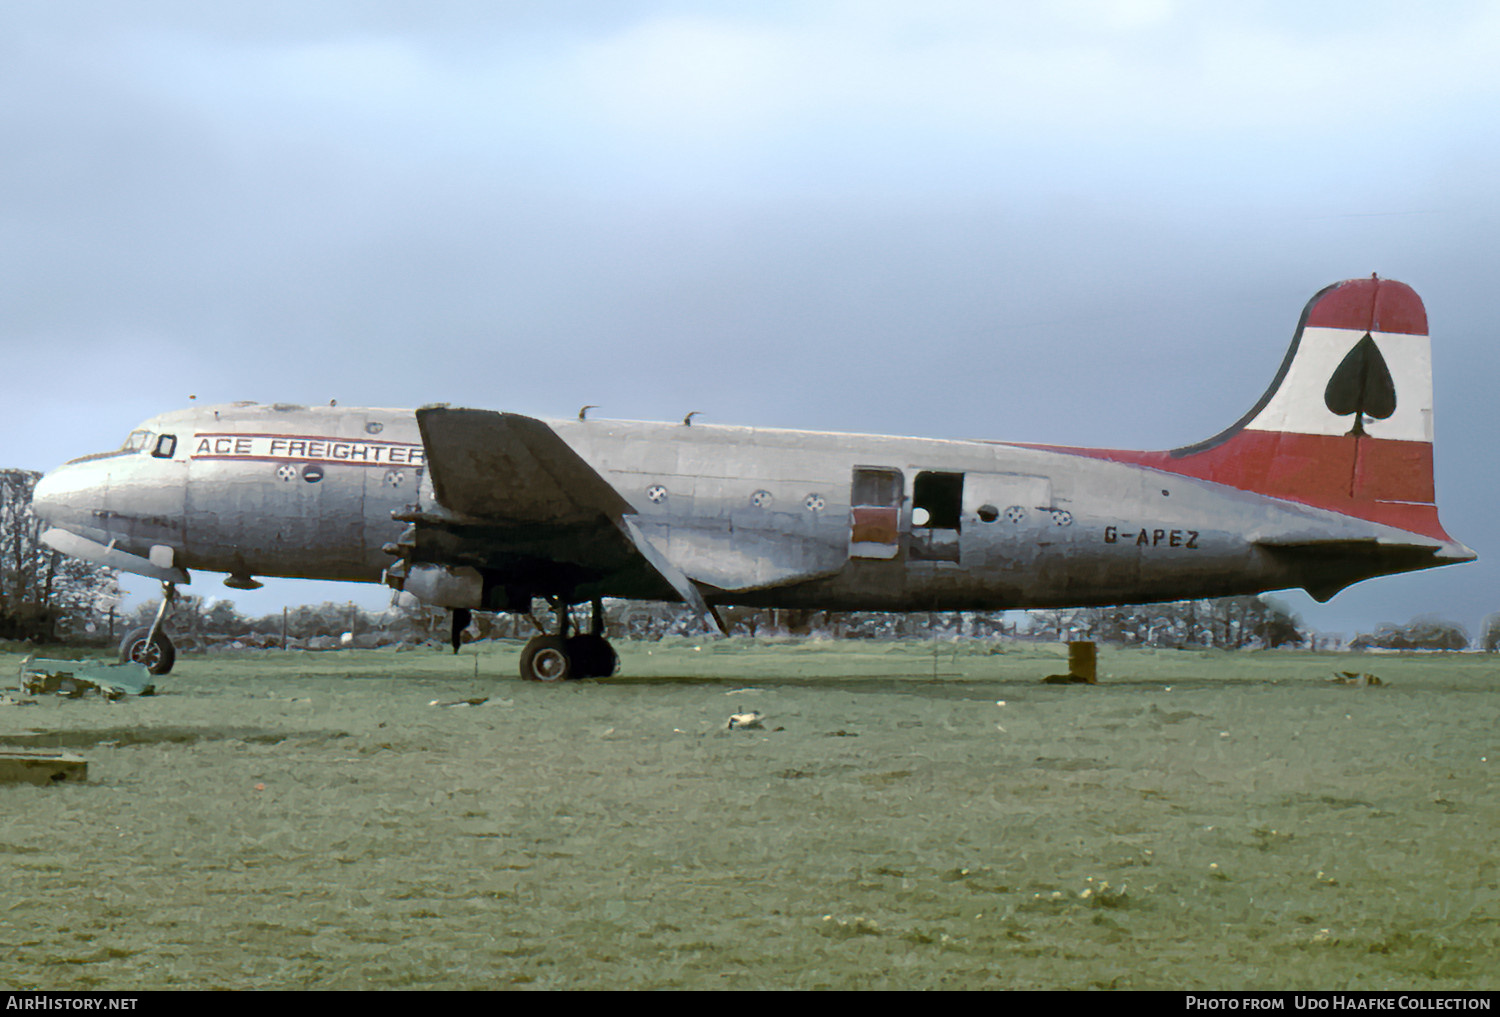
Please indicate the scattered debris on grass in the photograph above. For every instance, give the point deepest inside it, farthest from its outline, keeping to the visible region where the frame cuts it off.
(1356, 678)
(74, 678)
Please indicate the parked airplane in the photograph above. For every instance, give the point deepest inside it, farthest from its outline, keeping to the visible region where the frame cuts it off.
(1325, 482)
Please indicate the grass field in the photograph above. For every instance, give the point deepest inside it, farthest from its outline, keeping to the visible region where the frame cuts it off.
(912, 815)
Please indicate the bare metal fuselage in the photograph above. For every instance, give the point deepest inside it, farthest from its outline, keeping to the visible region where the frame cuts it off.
(751, 516)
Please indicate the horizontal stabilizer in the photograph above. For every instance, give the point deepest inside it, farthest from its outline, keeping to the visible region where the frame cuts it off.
(1447, 551)
(1329, 565)
(1352, 545)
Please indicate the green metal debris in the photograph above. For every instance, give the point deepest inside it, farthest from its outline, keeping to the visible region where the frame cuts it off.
(74, 678)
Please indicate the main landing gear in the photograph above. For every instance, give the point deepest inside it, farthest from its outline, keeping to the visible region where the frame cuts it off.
(150, 646)
(557, 658)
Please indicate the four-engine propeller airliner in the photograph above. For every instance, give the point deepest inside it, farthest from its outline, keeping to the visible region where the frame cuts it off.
(1326, 481)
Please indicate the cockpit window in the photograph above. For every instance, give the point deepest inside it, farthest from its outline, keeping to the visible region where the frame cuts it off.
(137, 442)
(165, 446)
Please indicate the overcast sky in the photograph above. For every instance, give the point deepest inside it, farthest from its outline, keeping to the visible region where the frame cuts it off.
(1087, 222)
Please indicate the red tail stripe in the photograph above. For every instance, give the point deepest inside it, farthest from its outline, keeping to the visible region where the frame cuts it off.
(1389, 483)
(1370, 305)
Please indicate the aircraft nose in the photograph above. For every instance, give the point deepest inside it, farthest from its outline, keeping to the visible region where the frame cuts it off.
(44, 498)
(66, 495)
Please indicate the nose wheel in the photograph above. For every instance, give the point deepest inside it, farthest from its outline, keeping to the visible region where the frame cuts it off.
(150, 646)
(157, 654)
(557, 658)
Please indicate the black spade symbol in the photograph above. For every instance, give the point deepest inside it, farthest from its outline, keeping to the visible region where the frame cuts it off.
(1362, 385)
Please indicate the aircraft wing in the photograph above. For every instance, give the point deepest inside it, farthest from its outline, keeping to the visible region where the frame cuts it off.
(521, 502)
(490, 465)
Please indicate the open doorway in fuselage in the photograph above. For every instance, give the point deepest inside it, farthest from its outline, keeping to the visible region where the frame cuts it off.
(936, 513)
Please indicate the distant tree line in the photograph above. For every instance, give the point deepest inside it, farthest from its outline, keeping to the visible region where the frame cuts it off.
(1230, 623)
(199, 623)
(1425, 633)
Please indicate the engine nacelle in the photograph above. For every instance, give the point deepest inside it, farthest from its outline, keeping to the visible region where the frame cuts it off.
(445, 585)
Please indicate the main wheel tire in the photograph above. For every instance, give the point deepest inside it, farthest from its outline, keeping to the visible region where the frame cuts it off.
(593, 657)
(158, 655)
(546, 659)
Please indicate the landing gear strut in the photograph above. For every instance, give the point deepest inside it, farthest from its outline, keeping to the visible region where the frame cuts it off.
(556, 658)
(150, 646)
(461, 618)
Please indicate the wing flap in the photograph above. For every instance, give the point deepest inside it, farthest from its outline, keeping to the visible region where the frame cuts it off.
(745, 560)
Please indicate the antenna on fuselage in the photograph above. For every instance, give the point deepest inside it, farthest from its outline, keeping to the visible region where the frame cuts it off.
(583, 413)
(687, 421)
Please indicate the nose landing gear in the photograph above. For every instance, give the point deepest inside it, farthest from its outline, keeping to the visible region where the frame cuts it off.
(150, 646)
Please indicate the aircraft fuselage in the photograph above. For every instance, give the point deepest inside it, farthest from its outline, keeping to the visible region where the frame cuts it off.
(756, 517)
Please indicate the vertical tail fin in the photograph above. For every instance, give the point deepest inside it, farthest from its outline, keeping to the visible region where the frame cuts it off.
(1347, 423)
